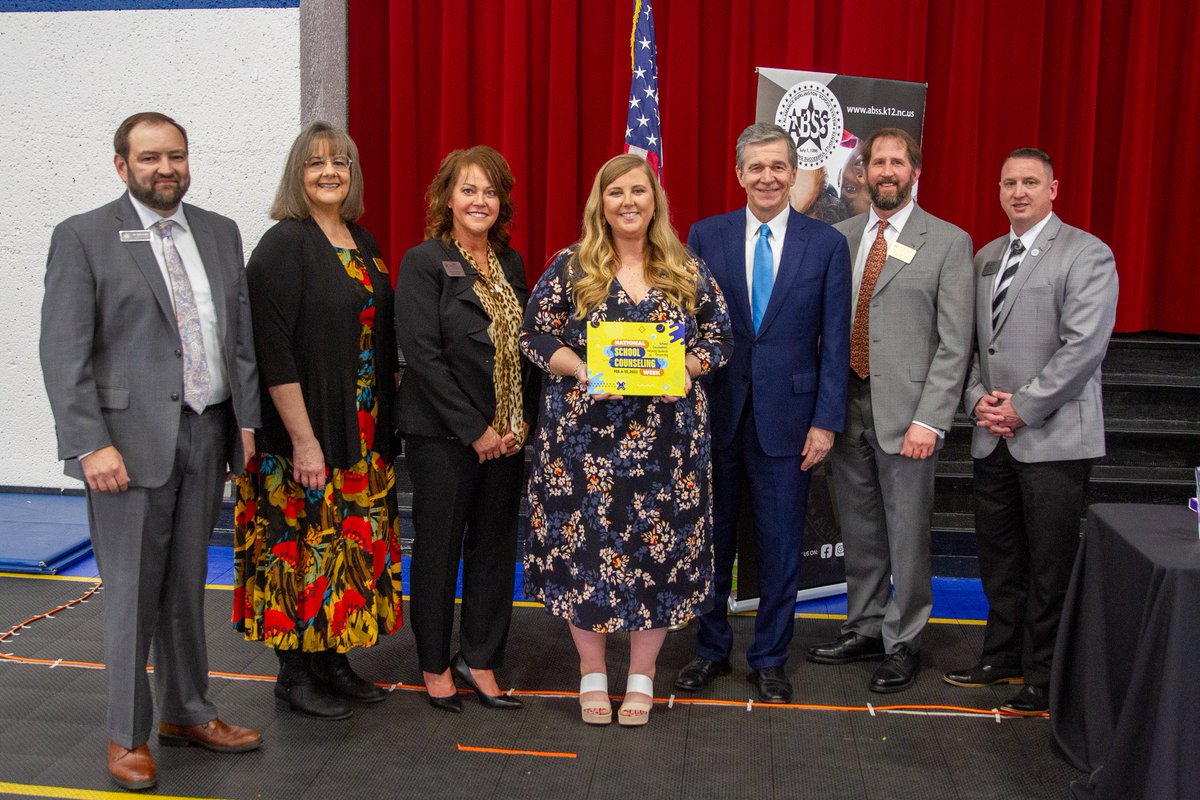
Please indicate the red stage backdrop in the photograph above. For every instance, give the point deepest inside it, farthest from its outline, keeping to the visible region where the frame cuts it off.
(1107, 87)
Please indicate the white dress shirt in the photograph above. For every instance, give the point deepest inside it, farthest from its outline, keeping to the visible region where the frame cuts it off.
(891, 235)
(185, 244)
(778, 226)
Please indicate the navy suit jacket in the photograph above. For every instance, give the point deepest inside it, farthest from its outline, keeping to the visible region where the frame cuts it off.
(795, 368)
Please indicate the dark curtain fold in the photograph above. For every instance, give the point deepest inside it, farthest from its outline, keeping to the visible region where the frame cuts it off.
(1107, 87)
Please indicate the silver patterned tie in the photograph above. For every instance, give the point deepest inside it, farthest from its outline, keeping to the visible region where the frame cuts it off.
(197, 384)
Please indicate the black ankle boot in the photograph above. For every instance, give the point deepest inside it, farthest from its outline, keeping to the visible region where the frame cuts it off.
(297, 687)
(333, 670)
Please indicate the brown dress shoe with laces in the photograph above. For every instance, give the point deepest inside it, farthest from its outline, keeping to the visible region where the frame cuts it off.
(132, 769)
(212, 735)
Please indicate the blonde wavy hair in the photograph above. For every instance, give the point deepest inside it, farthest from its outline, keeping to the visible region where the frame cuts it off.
(669, 266)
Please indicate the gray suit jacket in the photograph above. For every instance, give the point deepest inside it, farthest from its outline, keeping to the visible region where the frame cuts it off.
(920, 327)
(110, 348)
(1052, 335)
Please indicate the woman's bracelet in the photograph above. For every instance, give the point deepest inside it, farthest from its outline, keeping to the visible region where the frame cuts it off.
(575, 372)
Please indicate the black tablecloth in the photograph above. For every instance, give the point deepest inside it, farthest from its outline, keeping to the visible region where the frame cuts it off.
(1128, 656)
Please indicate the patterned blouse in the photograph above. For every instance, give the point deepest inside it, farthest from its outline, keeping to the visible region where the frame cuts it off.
(500, 303)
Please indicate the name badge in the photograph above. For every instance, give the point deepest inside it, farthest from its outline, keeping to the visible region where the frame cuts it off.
(902, 252)
(453, 269)
(379, 265)
(134, 236)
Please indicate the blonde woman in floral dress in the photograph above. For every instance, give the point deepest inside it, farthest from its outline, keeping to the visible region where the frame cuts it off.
(620, 489)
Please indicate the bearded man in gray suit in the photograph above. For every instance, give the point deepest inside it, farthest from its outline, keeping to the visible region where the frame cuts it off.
(149, 365)
(1046, 303)
(910, 345)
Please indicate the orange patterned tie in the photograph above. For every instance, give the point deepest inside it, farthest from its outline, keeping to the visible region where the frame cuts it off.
(860, 342)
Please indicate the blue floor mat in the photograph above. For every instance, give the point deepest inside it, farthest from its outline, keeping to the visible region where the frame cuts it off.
(42, 533)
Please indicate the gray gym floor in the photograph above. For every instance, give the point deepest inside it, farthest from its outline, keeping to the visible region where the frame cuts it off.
(52, 740)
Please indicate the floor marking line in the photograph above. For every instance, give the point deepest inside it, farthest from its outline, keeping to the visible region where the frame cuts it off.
(71, 793)
(540, 753)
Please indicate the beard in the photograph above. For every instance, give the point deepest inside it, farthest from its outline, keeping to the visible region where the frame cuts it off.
(889, 202)
(160, 198)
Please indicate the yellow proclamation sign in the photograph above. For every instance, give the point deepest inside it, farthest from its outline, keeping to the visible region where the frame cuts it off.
(638, 358)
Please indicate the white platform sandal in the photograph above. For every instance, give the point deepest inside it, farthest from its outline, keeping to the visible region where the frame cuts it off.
(595, 712)
(636, 712)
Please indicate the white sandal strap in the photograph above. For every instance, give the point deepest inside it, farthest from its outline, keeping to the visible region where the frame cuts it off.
(642, 684)
(593, 682)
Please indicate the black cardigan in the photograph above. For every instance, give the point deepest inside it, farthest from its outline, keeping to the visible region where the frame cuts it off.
(447, 388)
(306, 330)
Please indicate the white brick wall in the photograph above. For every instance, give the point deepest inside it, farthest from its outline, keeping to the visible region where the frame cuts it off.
(67, 79)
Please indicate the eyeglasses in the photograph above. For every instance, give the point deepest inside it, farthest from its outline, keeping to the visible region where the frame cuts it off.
(339, 163)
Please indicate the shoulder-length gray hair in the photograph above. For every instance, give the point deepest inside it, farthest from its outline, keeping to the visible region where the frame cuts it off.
(291, 201)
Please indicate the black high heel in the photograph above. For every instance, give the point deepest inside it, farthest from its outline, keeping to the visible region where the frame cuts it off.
(460, 670)
(451, 703)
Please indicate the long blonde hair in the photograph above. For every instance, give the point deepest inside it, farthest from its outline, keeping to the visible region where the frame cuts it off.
(669, 267)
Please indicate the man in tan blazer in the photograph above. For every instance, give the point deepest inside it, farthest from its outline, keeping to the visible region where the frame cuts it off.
(910, 346)
(1046, 301)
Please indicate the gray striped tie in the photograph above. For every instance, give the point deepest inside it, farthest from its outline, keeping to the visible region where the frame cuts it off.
(1002, 287)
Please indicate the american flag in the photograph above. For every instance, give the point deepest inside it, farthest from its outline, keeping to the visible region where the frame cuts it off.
(643, 135)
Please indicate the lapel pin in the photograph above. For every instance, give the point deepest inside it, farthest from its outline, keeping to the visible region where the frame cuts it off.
(1035, 252)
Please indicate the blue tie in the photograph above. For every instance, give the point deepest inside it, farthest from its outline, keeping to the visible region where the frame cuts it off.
(764, 275)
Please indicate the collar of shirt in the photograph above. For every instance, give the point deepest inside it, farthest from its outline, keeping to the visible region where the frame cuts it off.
(896, 223)
(149, 216)
(1028, 238)
(778, 226)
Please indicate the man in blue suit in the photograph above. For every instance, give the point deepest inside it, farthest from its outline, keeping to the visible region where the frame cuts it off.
(780, 400)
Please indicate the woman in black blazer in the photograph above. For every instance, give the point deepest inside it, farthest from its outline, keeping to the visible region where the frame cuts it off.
(317, 545)
(465, 408)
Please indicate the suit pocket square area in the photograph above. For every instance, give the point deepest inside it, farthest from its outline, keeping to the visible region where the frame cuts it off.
(112, 397)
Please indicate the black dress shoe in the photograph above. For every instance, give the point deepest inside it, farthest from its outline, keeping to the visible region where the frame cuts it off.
(848, 647)
(983, 675)
(773, 684)
(306, 695)
(460, 670)
(451, 703)
(1031, 701)
(700, 673)
(897, 672)
(333, 669)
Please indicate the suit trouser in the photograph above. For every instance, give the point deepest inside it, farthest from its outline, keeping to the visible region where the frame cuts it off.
(462, 507)
(151, 547)
(885, 503)
(779, 498)
(1027, 529)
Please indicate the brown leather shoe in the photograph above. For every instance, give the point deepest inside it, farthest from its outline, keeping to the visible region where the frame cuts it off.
(132, 769)
(213, 735)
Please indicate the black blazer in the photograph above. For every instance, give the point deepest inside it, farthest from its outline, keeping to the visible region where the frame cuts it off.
(306, 330)
(447, 387)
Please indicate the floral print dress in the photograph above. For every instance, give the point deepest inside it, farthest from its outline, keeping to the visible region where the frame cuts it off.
(320, 569)
(620, 491)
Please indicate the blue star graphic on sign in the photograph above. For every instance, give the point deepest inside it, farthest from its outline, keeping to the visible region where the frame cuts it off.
(620, 385)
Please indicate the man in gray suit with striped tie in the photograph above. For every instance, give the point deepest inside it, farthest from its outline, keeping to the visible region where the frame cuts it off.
(1046, 301)
(149, 365)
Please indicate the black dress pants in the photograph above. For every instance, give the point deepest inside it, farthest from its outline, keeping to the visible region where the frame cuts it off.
(1027, 529)
(462, 508)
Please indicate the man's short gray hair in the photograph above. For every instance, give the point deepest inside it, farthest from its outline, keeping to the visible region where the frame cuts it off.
(761, 132)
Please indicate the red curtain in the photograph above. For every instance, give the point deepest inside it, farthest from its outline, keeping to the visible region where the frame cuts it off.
(1108, 87)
